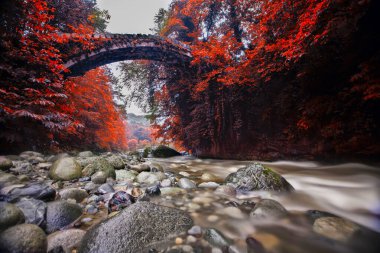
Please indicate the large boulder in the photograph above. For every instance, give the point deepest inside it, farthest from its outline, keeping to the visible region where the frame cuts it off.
(67, 239)
(164, 152)
(268, 209)
(23, 238)
(5, 163)
(34, 210)
(65, 169)
(33, 190)
(139, 227)
(10, 215)
(116, 161)
(257, 177)
(60, 214)
(99, 164)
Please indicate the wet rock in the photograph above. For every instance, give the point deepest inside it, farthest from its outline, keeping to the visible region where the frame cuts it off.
(119, 201)
(185, 183)
(5, 163)
(21, 168)
(122, 175)
(106, 188)
(164, 152)
(166, 183)
(73, 193)
(99, 177)
(216, 238)
(90, 186)
(85, 154)
(148, 178)
(35, 191)
(155, 167)
(312, 215)
(140, 225)
(257, 177)
(10, 215)
(23, 238)
(34, 210)
(100, 164)
(91, 209)
(226, 190)
(153, 191)
(23, 178)
(335, 228)
(7, 179)
(65, 169)
(268, 209)
(208, 185)
(141, 167)
(232, 212)
(195, 230)
(67, 239)
(208, 177)
(116, 161)
(84, 161)
(254, 246)
(171, 191)
(60, 214)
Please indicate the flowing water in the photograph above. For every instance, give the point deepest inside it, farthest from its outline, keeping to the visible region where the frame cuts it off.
(350, 190)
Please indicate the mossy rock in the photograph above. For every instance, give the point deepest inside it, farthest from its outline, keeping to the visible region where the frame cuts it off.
(164, 152)
(99, 164)
(256, 177)
(65, 169)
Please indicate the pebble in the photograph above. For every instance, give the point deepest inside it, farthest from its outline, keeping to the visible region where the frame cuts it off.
(186, 184)
(195, 230)
(191, 239)
(178, 240)
(212, 218)
(208, 185)
(91, 209)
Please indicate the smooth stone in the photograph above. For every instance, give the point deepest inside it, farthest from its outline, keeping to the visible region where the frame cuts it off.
(34, 210)
(119, 201)
(99, 177)
(335, 228)
(35, 191)
(7, 189)
(7, 179)
(67, 239)
(216, 238)
(195, 230)
(10, 215)
(85, 154)
(226, 190)
(5, 163)
(141, 167)
(185, 183)
(208, 185)
(232, 212)
(60, 214)
(166, 183)
(208, 177)
(171, 191)
(257, 177)
(106, 188)
(73, 193)
(27, 238)
(268, 209)
(153, 191)
(116, 161)
(90, 186)
(65, 169)
(148, 178)
(140, 225)
(125, 175)
(99, 164)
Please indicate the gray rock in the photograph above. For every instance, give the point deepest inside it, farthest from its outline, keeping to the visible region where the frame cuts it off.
(195, 230)
(335, 228)
(5, 163)
(106, 188)
(27, 154)
(186, 184)
(172, 191)
(208, 185)
(21, 167)
(99, 164)
(116, 161)
(257, 177)
(90, 186)
(164, 152)
(141, 167)
(148, 178)
(7, 179)
(54, 158)
(122, 175)
(10, 215)
(34, 190)
(65, 169)
(140, 225)
(216, 238)
(226, 190)
(166, 183)
(60, 214)
(44, 166)
(34, 210)
(23, 238)
(268, 209)
(99, 177)
(85, 154)
(84, 161)
(73, 193)
(67, 239)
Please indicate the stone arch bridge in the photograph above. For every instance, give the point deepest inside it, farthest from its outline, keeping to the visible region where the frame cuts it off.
(121, 47)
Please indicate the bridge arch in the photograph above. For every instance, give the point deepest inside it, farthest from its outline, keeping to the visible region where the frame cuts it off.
(121, 47)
